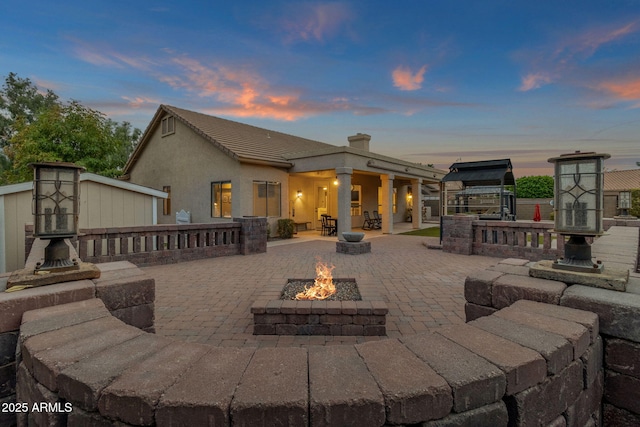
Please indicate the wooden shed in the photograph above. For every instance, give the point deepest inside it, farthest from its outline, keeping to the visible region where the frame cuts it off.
(104, 202)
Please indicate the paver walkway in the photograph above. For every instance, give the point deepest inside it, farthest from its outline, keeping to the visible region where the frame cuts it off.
(209, 301)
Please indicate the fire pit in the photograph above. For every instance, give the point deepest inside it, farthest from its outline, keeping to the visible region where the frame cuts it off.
(320, 306)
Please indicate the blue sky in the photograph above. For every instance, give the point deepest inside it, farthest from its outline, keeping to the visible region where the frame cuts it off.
(430, 81)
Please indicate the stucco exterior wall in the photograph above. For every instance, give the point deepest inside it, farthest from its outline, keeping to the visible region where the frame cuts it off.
(188, 164)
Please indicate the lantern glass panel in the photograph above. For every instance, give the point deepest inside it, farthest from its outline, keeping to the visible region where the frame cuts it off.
(624, 200)
(55, 202)
(578, 207)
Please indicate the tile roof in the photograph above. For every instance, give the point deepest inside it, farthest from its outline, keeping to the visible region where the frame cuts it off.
(622, 180)
(245, 141)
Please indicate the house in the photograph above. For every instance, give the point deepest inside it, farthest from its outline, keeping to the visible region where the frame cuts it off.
(218, 169)
(104, 202)
(616, 182)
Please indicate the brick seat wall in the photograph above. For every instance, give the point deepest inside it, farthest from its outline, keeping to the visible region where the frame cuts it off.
(507, 292)
(493, 371)
(126, 292)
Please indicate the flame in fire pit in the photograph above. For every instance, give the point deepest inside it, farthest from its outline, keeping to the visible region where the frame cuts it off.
(323, 286)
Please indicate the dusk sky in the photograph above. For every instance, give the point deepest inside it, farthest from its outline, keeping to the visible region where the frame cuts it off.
(430, 81)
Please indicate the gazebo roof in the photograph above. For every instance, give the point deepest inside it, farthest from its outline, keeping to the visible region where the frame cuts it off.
(486, 172)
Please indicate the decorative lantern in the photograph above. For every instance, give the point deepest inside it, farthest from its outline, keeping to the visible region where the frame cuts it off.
(578, 206)
(624, 202)
(56, 196)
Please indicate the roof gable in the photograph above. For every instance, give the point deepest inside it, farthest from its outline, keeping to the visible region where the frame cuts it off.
(240, 141)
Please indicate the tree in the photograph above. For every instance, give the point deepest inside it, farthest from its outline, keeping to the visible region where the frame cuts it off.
(37, 127)
(69, 133)
(534, 187)
(20, 99)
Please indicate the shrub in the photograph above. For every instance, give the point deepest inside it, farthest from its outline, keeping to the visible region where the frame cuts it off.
(534, 187)
(635, 203)
(285, 228)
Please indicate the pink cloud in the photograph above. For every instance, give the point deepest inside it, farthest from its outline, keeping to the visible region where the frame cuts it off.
(244, 93)
(586, 43)
(140, 101)
(404, 79)
(625, 90)
(564, 55)
(104, 56)
(314, 21)
(534, 81)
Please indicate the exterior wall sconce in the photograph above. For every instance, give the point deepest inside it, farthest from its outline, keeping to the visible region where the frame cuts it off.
(56, 199)
(578, 206)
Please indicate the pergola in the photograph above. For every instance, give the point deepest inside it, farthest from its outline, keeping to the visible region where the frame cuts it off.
(497, 173)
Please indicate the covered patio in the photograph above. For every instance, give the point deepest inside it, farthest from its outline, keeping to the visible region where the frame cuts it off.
(345, 182)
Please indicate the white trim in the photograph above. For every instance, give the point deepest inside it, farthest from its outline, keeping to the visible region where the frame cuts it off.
(87, 176)
(16, 188)
(154, 210)
(3, 243)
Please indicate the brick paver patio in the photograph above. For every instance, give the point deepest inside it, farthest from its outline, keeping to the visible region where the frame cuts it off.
(209, 301)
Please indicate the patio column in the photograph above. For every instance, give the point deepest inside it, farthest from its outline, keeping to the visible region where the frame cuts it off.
(344, 200)
(387, 203)
(416, 192)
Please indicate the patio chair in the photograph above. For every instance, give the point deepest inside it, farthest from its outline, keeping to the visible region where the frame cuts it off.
(328, 226)
(368, 222)
(377, 220)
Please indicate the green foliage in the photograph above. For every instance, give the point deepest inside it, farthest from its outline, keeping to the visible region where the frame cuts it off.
(38, 128)
(20, 100)
(635, 203)
(285, 228)
(534, 187)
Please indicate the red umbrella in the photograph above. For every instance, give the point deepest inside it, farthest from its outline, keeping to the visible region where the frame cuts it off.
(536, 213)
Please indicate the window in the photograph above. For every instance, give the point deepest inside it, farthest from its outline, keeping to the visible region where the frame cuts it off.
(221, 199)
(356, 200)
(266, 198)
(166, 203)
(394, 198)
(168, 125)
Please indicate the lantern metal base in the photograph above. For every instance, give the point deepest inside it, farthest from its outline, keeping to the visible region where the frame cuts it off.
(56, 258)
(577, 257)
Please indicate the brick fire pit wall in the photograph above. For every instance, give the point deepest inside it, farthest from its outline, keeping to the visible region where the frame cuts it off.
(273, 316)
(278, 317)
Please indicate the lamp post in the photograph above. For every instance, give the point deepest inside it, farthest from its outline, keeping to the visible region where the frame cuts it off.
(624, 202)
(56, 196)
(578, 206)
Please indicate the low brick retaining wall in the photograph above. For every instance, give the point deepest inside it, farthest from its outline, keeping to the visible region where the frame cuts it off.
(535, 241)
(123, 290)
(508, 284)
(168, 243)
(491, 372)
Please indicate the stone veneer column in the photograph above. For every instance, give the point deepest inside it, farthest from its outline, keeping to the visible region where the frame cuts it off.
(253, 235)
(344, 200)
(387, 203)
